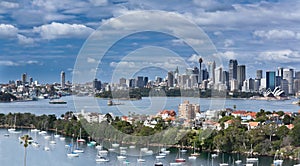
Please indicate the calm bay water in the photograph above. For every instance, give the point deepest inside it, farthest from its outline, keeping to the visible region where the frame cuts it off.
(11, 152)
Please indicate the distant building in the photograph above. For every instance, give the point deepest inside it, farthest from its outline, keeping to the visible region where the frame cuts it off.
(233, 69)
(241, 75)
(234, 86)
(259, 74)
(96, 84)
(62, 79)
(270, 80)
(187, 110)
(24, 78)
(288, 74)
(170, 79)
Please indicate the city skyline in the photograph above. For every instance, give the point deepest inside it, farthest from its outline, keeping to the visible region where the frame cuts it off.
(53, 33)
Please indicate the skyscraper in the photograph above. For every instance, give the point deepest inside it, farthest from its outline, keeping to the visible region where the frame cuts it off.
(259, 74)
(62, 79)
(170, 79)
(270, 80)
(96, 84)
(24, 78)
(211, 66)
(233, 69)
(288, 74)
(280, 72)
(218, 75)
(241, 75)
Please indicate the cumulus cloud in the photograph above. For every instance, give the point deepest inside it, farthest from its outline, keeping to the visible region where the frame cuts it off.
(280, 56)
(123, 64)
(91, 60)
(7, 30)
(227, 55)
(277, 34)
(228, 43)
(9, 5)
(194, 58)
(25, 40)
(62, 30)
(99, 2)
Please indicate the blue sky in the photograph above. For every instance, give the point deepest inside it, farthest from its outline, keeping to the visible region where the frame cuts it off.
(43, 37)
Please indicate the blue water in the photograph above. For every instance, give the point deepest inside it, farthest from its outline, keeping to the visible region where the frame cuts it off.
(11, 152)
(147, 105)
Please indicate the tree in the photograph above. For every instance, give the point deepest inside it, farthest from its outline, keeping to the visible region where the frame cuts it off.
(25, 141)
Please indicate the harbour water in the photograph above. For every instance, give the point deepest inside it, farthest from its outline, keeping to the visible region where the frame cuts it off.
(147, 105)
(12, 152)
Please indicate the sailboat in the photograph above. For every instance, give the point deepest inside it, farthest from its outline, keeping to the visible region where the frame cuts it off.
(56, 135)
(13, 129)
(194, 155)
(179, 159)
(78, 150)
(80, 139)
(71, 153)
(277, 161)
(223, 164)
(251, 159)
(183, 150)
(238, 161)
(140, 159)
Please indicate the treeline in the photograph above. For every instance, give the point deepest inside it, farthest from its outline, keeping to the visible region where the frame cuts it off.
(163, 91)
(7, 97)
(67, 124)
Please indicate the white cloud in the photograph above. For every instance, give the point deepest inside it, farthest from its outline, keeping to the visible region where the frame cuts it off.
(227, 55)
(32, 62)
(7, 30)
(194, 58)
(280, 56)
(8, 63)
(25, 40)
(228, 43)
(91, 60)
(277, 34)
(99, 2)
(123, 64)
(9, 5)
(62, 30)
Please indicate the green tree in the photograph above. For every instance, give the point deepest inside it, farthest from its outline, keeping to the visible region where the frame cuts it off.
(25, 141)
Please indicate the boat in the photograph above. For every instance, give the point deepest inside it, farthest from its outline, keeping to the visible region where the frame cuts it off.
(62, 138)
(192, 157)
(158, 164)
(121, 157)
(35, 144)
(80, 139)
(140, 159)
(46, 148)
(6, 135)
(123, 152)
(175, 164)
(123, 148)
(183, 150)
(56, 135)
(179, 159)
(132, 147)
(78, 150)
(160, 157)
(223, 164)
(71, 152)
(251, 159)
(102, 152)
(277, 159)
(115, 145)
(238, 161)
(13, 129)
(214, 155)
(56, 101)
(42, 132)
(34, 130)
(111, 103)
(194, 154)
(101, 159)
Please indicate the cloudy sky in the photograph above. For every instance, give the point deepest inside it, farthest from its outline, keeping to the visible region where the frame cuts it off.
(44, 37)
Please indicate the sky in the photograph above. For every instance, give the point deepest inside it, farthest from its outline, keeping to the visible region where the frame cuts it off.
(43, 37)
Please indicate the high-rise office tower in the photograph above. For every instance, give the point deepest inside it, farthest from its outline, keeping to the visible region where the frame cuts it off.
(241, 75)
(62, 79)
(297, 75)
(233, 69)
(259, 74)
(170, 79)
(225, 79)
(270, 80)
(218, 74)
(146, 79)
(96, 84)
(288, 74)
(211, 66)
(280, 72)
(200, 78)
(140, 82)
(24, 78)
